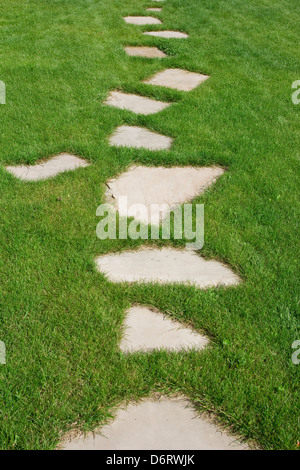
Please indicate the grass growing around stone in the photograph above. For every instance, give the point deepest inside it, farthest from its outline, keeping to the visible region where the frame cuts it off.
(61, 320)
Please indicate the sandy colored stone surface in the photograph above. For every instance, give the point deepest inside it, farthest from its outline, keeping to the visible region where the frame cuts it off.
(165, 266)
(167, 34)
(47, 169)
(154, 9)
(177, 79)
(147, 329)
(165, 187)
(167, 423)
(141, 20)
(135, 103)
(149, 52)
(139, 137)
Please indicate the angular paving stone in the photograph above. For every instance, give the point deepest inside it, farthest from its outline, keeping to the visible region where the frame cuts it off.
(165, 423)
(141, 20)
(177, 79)
(149, 52)
(147, 329)
(165, 266)
(49, 168)
(154, 9)
(135, 103)
(166, 187)
(138, 137)
(167, 34)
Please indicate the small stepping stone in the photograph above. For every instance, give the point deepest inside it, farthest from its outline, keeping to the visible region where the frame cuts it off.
(146, 330)
(139, 137)
(167, 34)
(48, 169)
(158, 185)
(154, 9)
(149, 52)
(135, 103)
(165, 266)
(165, 423)
(177, 79)
(141, 20)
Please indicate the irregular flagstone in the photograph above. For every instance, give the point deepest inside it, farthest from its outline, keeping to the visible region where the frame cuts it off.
(142, 20)
(146, 330)
(149, 52)
(165, 423)
(139, 137)
(154, 9)
(167, 34)
(165, 266)
(135, 103)
(164, 187)
(48, 169)
(177, 79)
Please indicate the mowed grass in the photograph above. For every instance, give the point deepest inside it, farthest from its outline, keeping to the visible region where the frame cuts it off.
(60, 319)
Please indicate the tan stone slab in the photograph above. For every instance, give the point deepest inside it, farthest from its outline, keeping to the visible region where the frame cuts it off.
(165, 266)
(139, 137)
(47, 169)
(149, 52)
(165, 187)
(135, 103)
(167, 34)
(155, 9)
(146, 330)
(177, 79)
(142, 20)
(166, 423)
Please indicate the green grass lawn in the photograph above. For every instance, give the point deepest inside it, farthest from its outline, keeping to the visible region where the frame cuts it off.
(60, 319)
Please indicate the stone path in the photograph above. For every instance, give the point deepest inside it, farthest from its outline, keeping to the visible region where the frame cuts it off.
(159, 424)
(135, 103)
(138, 137)
(162, 423)
(165, 187)
(165, 266)
(47, 169)
(147, 330)
(149, 52)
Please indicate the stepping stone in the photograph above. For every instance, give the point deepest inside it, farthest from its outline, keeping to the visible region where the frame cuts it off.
(154, 9)
(135, 103)
(165, 423)
(139, 137)
(141, 20)
(146, 330)
(149, 52)
(167, 34)
(165, 187)
(177, 79)
(165, 266)
(48, 169)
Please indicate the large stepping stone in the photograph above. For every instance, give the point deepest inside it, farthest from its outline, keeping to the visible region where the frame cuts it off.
(177, 79)
(149, 52)
(165, 187)
(167, 34)
(142, 20)
(146, 330)
(165, 266)
(165, 423)
(139, 137)
(135, 103)
(48, 169)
